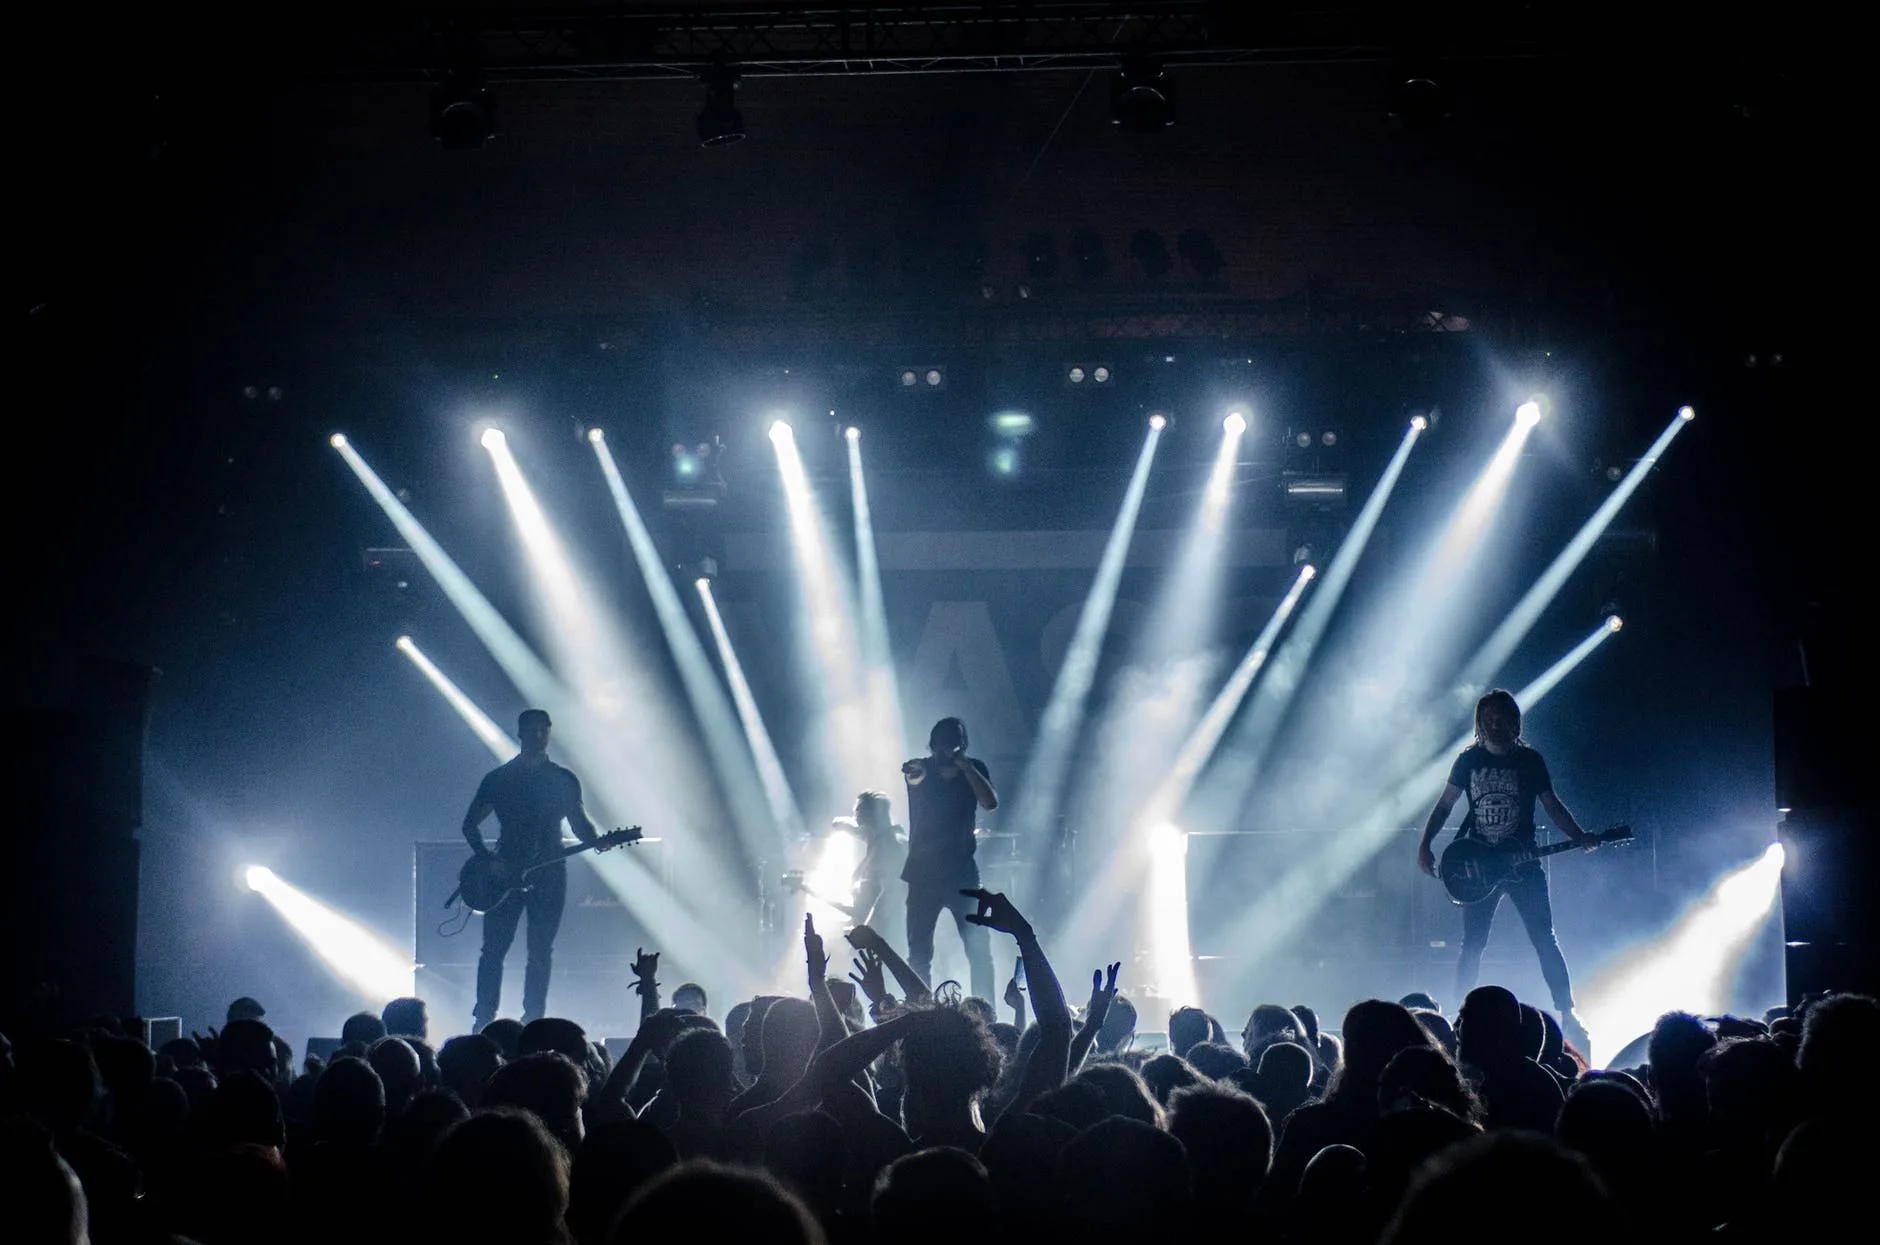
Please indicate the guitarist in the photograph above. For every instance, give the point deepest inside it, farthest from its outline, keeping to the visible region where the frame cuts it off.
(1503, 778)
(530, 796)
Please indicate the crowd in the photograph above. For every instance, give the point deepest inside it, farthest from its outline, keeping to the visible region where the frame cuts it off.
(871, 1109)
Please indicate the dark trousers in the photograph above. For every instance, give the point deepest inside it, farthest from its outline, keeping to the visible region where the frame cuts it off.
(925, 903)
(1528, 890)
(543, 901)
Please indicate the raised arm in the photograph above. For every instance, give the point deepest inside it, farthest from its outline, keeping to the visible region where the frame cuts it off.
(1101, 996)
(1432, 826)
(829, 1025)
(913, 989)
(1045, 1071)
(658, 1030)
(646, 981)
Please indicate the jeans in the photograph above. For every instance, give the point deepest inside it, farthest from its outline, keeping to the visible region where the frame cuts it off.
(1528, 889)
(925, 902)
(543, 901)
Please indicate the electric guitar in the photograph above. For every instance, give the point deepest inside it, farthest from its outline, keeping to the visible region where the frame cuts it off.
(487, 880)
(795, 882)
(1471, 870)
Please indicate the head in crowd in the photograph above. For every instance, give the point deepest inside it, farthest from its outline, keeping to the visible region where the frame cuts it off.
(1216, 1061)
(922, 1198)
(1123, 1092)
(698, 1074)
(363, 1028)
(506, 1032)
(247, 1046)
(1229, 1141)
(504, 1150)
(1375, 1031)
(1166, 1073)
(690, 997)
(788, 1038)
(947, 1066)
(807, 1153)
(1125, 1181)
(1469, 1194)
(751, 1034)
(406, 1017)
(348, 1103)
(702, 1201)
(547, 1085)
(399, 1071)
(1488, 1028)
(1422, 1075)
(1497, 719)
(1419, 1001)
(1187, 1027)
(1839, 1036)
(615, 1161)
(555, 1035)
(245, 1008)
(1283, 1080)
(466, 1063)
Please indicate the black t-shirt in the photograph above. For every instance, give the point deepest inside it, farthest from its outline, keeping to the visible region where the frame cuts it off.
(530, 802)
(941, 811)
(1501, 791)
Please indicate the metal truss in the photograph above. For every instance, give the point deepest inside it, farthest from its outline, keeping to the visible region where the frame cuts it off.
(600, 43)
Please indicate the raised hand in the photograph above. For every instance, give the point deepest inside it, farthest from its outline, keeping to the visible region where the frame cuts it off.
(864, 938)
(1014, 993)
(871, 976)
(1101, 994)
(645, 970)
(997, 912)
(815, 959)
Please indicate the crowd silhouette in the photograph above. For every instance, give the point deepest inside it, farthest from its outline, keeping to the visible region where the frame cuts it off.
(864, 1109)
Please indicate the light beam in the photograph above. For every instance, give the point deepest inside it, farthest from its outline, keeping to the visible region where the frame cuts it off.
(367, 962)
(501, 746)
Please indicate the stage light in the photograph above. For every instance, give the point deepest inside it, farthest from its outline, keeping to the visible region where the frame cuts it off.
(1687, 414)
(909, 378)
(1158, 422)
(1320, 489)
(1419, 422)
(337, 440)
(1303, 440)
(1235, 424)
(596, 436)
(1037, 800)
(1328, 438)
(1309, 572)
(1528, 413)
(1004, 461)
(852, 433)
(367, 962)
(1615, 622)
(1691, 966)
(933, 376)
(1013, 424)
(719, 121)
(1100, 374)
(781, 432)
(463, 113)
(1075, 376)
(491, 438)
(833, 876)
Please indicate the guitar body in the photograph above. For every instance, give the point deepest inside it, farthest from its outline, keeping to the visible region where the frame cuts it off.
(1471, 871)
(485, 881)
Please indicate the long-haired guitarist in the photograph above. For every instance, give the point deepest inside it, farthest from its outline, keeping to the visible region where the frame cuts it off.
(530, 796)
(1503, 778)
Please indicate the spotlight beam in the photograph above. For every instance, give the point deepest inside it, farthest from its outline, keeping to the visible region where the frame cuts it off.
(1237, 766)
(761, 834)
(367, 962)
(527, 671)
(1507, 637)
(857, 749)
(501, 746)
(784, 812)
(1298, 893)
(1171, 954)
(1691, 966)
(882, 691)
(1064, 712)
